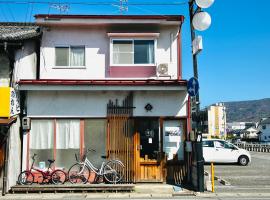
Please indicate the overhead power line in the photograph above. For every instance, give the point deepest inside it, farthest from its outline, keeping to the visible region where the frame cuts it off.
(97, 3)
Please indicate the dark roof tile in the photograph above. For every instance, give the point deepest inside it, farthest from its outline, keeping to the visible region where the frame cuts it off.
(18, 31)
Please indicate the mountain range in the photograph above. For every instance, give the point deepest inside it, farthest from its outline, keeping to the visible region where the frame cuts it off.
(247, 111)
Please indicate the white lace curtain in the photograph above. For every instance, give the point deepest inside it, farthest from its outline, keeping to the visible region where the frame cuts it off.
(67, 134)
(77, 56)
(41, 134)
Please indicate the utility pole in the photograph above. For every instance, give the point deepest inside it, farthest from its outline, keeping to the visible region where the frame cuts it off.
(199, 20)
(195, 119)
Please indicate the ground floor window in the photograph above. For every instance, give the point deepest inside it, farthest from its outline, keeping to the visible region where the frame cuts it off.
(67, 142)
(148, 128)
(95, 138)
(41, 138)
(61, 139)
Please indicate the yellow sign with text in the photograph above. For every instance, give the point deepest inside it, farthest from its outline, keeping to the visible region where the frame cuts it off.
(4, 101)
(9, 105)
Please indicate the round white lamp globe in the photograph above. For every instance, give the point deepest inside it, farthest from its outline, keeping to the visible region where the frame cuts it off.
(204, 3)
(201, 21)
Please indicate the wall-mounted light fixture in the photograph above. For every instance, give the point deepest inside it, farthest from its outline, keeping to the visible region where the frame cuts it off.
(148, 107)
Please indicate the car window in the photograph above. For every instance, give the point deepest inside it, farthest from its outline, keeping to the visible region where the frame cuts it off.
(208, 144)
(229, 145)
(219, 144)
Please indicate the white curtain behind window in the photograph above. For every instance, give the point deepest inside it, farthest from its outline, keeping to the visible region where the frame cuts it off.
(67, 134)
(150, 53)
(122, 52)
(41, 134)
(77, 56)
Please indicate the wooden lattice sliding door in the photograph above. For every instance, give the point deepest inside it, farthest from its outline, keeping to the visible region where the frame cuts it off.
(120, 144)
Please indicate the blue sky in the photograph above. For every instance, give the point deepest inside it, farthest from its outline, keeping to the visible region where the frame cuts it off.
(235, 62)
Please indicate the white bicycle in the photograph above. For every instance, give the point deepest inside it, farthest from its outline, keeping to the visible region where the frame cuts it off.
(112, 171)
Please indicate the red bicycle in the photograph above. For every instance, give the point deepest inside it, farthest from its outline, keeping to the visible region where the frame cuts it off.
(35, 175)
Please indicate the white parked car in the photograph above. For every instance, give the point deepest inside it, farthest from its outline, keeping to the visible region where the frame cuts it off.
(220, 151)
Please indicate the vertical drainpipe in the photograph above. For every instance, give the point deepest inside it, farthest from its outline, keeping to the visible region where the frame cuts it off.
(38, 42)
(179, 53)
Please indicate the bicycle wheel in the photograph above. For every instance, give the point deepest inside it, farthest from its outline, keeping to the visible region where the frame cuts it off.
(26, 178)
(113, 171)
(58, 177)
(78, 173)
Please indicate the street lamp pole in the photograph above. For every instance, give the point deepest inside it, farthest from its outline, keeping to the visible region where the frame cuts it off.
(199, 20)
(198, 144)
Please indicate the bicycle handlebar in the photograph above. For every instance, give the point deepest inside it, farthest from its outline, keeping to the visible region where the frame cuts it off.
(33, 157)
(88, 150)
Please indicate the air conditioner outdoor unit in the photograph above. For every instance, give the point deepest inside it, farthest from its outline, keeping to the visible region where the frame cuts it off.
(162, 69)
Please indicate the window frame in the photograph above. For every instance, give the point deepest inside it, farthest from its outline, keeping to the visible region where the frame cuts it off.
(132, 39)
(69, 58)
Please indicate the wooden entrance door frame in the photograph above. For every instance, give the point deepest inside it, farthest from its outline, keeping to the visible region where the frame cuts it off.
(144, 168)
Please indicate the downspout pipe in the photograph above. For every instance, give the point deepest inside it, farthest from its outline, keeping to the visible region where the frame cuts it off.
(179, 52)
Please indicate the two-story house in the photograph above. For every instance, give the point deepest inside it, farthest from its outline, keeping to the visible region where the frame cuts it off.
(113, 84)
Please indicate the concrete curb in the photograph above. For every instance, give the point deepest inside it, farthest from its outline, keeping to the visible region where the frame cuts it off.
(219, 179)
(226, 194)
(51, 196)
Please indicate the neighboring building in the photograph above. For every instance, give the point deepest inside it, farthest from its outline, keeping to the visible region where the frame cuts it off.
(215, 121)
(264, 127)
(17, 56)
(250, 134)
(114, 84)
(239, 125)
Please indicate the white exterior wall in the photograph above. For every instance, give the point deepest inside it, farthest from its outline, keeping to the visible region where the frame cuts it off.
(75, 104)
(97, 51)
(25, 62)
(14, 161)
(236, 125)
(167, 49)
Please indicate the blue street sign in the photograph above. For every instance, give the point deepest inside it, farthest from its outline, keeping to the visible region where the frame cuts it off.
(193, 86)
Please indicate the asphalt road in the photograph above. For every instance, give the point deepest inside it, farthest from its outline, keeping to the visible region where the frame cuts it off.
(254, 178)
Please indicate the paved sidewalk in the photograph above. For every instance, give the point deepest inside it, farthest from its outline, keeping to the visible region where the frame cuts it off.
(141, 191)
(81, 196)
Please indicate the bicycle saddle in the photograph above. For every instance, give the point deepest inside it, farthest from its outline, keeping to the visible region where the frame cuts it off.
(51, 161)
(104, 157)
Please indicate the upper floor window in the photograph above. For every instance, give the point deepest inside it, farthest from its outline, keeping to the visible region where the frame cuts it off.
(70, 56)
(133, 52)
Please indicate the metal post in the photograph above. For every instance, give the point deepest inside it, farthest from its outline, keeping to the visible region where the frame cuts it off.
(198, 145)
(213, 177)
